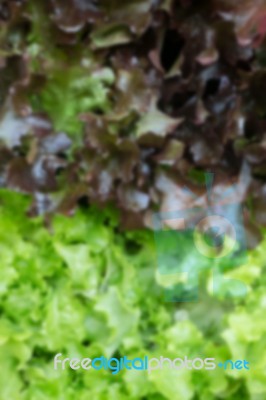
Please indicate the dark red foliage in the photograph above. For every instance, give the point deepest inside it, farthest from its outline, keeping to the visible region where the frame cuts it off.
(189, 97)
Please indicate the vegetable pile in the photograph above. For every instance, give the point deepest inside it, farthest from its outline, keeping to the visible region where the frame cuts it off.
(127, 102)
(84, 290)
(108, 110)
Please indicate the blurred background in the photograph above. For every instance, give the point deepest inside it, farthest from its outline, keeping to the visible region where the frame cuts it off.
(113, 116)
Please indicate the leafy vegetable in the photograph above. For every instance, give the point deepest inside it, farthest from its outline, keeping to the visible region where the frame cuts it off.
(147, 91)
(85, 290)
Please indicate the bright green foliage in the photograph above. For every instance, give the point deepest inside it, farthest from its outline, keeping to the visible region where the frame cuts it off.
(74, 82)
(72, 92)
(83, 290)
